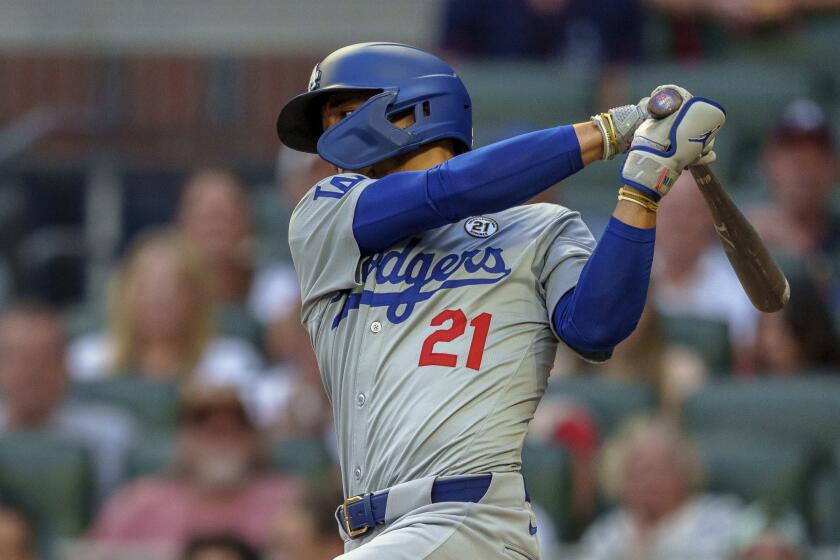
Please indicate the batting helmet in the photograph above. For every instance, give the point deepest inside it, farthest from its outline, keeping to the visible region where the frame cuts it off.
(400, 78)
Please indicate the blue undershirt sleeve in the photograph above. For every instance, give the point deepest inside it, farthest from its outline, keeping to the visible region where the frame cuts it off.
(489, 179)
(607, 302)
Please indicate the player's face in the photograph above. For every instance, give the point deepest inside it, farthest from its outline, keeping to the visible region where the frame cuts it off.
(340, 106)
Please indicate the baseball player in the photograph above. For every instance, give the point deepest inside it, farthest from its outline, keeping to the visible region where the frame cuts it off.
(435, 300)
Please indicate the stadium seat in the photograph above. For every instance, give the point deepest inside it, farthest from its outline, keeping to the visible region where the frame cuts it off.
(51, 478)
(85, 318)
(555, 95)
(756, 468)
(753, 94)
(802, 409)
(818, 44)
(302, 456)
(547, 472)
(236, 321)
(152, 454)
(154, 404)
(610, 401)
(707, 337)
(827, 510)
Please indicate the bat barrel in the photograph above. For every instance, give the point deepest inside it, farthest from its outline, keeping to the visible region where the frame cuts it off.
(760, 276)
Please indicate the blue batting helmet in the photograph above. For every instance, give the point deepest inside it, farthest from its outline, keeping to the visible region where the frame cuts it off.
(400, 78)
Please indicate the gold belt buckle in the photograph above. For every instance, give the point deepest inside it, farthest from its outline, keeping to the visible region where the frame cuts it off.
(362, 530)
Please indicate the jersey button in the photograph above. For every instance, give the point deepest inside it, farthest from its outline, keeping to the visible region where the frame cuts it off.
(360, 400)
(357, 474)
(375, 327)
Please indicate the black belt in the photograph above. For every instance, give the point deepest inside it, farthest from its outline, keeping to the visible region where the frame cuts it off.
(361, 513)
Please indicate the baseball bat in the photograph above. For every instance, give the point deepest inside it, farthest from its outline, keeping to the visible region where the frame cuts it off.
(763, 281)
(759, 275)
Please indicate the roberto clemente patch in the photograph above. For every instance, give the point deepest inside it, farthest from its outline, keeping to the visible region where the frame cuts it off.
(481, 226)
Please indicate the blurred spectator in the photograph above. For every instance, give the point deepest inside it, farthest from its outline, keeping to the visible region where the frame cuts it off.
(289, 399)
(646, 355)
(220, 483)
(34, 384)
(307, 530)
(691, 276)
(17, 535)
(655, 474)
(215, 216)
(219, 547)
(801, 336)
(761, 535)
(162, 323)
(799, 218)
(595, 32)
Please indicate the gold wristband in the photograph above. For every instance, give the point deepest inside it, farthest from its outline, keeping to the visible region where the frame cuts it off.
(611, 133)
(637, 198)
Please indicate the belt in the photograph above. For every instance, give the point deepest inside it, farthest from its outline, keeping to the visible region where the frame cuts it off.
(361, 513)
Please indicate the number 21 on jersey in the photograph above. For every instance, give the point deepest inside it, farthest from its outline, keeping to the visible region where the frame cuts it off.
(458, 325)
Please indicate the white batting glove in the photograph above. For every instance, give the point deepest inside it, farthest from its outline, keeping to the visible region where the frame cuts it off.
(662, 148)
(618, 125)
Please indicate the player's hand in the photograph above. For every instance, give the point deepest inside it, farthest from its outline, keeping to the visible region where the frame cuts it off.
(618, 125)
(662, 148)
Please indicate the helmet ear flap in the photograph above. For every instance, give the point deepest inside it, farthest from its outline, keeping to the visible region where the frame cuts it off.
(364, 137)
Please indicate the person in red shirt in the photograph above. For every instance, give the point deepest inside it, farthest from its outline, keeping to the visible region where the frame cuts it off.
(220, 482)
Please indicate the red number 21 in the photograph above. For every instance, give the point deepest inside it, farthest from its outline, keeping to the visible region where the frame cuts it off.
(480, 325)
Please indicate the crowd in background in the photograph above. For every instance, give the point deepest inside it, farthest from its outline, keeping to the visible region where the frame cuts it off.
(239, 463)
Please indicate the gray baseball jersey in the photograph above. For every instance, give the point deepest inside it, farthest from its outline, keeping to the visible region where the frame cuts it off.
(435, 352)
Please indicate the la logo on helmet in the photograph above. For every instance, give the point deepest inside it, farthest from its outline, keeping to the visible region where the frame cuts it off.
(315, 78)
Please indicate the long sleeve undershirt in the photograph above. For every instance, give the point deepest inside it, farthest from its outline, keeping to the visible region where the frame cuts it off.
(608, 299)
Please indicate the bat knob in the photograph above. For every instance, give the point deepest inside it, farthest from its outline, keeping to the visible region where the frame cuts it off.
(665, 102)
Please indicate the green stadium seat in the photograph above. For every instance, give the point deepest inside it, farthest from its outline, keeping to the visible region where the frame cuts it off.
(752, 92)
(154, 404)
(818, 44)
(707, 337)
(237, 321)
(152, 454)
(547, 472)
(84, 318)
(827, 510)
(756, 468)
(271, 217)
(803, 409)
(611, 402)
(51, 478)
(306, 457)
(556, 94)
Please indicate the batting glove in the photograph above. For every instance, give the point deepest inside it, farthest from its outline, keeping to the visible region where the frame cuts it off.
(662, 148)
(618, 125)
